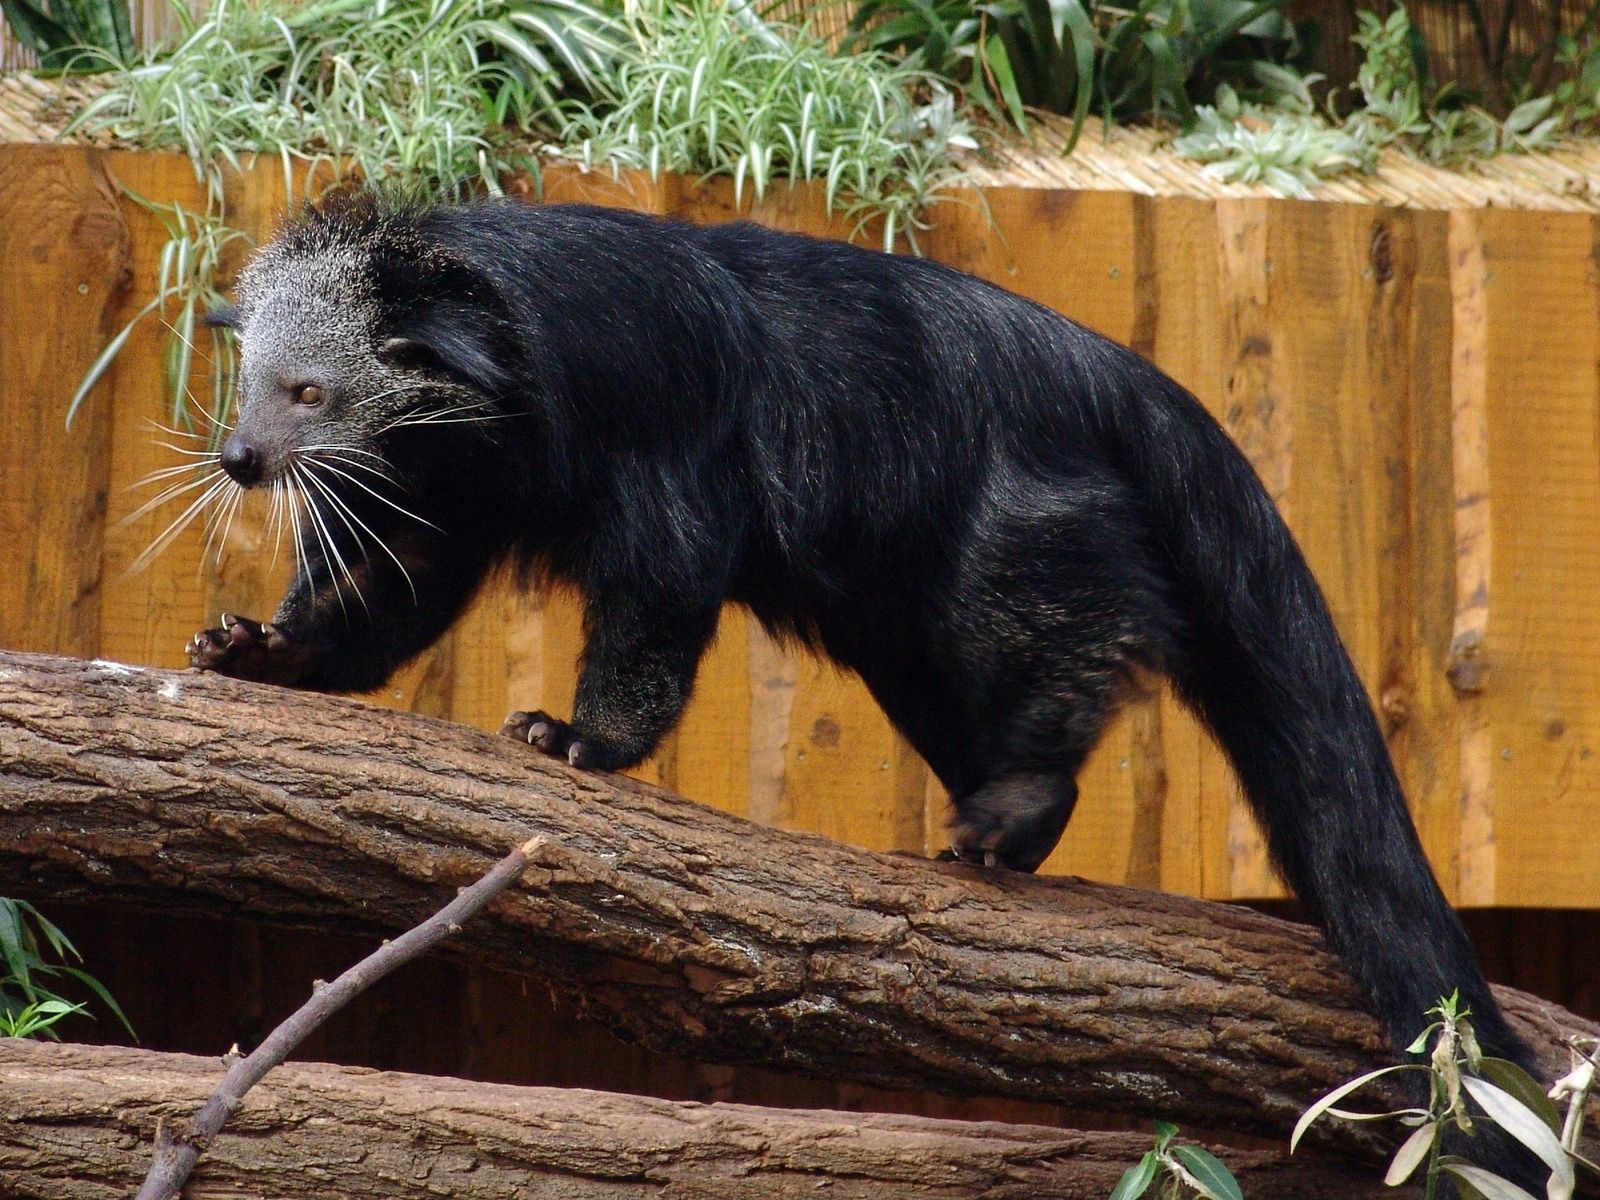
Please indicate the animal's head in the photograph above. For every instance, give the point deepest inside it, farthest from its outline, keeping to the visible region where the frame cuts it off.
(354, 331)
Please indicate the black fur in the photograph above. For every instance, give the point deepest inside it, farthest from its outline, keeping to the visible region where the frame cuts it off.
(992, 514)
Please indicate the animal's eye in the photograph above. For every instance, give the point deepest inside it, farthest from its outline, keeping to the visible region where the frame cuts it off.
(308, 394)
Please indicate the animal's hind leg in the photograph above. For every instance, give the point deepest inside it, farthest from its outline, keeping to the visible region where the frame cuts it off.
(1014, 820)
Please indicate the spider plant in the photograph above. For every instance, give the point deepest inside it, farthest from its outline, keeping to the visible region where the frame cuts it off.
(714, 89)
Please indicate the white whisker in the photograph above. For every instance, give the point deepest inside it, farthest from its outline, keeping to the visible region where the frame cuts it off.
(344, 448)
(330, 546)
(348, 514)
(178, 525)
(377, 495)
(299, 544)
(173, 430)
(207, 453)
(177, 333)
(394, 391)
(220, 521)
(161, 473)
(380, 466)
(275, 520)
(171, 492)
(310, 477)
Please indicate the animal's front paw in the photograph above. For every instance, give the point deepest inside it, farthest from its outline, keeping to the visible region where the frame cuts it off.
(247, 649)
(544, 732)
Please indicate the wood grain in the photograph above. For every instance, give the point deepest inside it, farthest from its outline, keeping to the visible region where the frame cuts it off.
(76, 1123)
(63, 266)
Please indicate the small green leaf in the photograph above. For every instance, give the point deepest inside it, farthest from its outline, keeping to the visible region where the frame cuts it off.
(1215, 1180)
(1528, 114)
(1523, 1124)
(1338, 1094)
(1523, 1088)
(1490, 1186)
(1136, 1179)
(1410, 1155)
(994, 53)
(99, 989)
(105, 358)
(37, 30)
(1421, 1044)
(1083, 47)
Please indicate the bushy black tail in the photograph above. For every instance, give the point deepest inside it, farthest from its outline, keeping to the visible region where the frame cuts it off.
(1265, 669)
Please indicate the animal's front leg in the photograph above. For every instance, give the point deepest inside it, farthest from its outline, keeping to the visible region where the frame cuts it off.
(638, 670)
(350, 632)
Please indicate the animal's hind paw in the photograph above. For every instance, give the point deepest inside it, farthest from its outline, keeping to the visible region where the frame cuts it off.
(554, 737)
(247, 649)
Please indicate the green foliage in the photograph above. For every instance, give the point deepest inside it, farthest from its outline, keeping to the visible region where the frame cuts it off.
(58, 31)
(712, 88)
(1504, 1094)
(1074, 56)
(1184, 1171)
(1398, 106)
(34, 954)
(1287, 151)
(1280, 138)
(1516, 71)
(425, 93)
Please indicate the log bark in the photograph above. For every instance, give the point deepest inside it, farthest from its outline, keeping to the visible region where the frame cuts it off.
(679, 926)
(74, 1121)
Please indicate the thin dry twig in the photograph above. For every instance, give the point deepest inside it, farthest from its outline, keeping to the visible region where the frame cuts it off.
(178, 1147)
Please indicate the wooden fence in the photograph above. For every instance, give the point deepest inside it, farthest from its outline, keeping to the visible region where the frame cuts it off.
(1419, 389)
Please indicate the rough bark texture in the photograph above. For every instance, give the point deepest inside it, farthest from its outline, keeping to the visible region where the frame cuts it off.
(76, 1123)
(687, 929)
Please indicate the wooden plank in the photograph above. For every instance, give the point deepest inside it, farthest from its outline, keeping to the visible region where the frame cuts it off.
(1535, 772)
(1424, 716)
(1318, 396)
(1234, 858)
(63, 268)
(1179, 327)
(711, 754)
(150, 613)
(1341, 278)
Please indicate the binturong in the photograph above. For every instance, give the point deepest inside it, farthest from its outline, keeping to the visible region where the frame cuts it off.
(994, 516)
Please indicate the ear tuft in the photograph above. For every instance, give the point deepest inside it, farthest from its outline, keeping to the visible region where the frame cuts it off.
(455, 340)
(409, 354)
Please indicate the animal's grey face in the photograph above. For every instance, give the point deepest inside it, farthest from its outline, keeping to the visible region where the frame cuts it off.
(311, 382)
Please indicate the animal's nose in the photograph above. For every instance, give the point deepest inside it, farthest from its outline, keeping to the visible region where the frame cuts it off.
(241, 460)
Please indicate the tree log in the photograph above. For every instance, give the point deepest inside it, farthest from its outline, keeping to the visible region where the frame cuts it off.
(689, 930)
(74, 1122)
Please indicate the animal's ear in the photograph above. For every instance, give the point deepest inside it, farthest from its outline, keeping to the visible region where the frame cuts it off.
(224, 316)
(409, 354)
(455, 340)
(439, 314)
